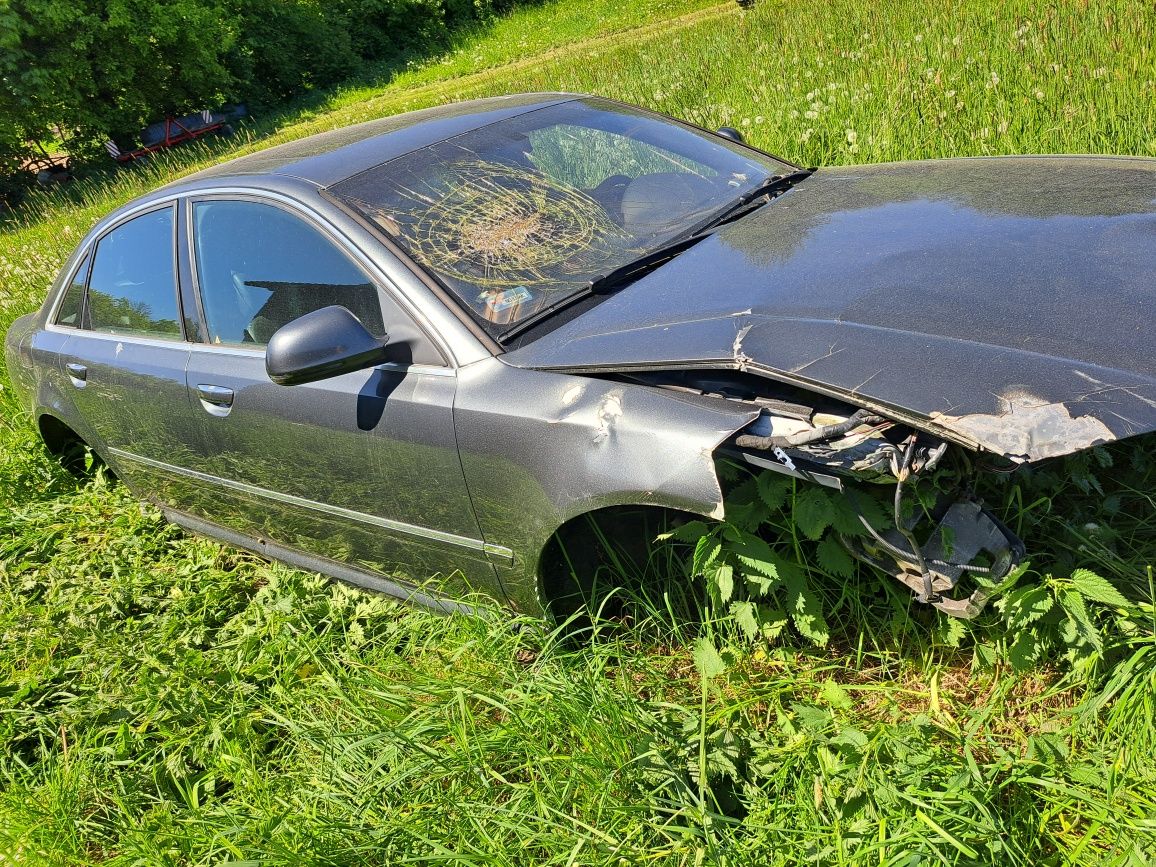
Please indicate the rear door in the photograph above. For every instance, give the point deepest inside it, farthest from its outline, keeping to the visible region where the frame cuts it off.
(362, 468)
(126, 354)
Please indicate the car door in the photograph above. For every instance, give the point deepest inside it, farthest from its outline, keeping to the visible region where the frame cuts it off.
(126, 353)
(361, 468)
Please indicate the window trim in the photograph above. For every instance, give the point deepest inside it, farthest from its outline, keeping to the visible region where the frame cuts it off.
(191, 309)
(364, 263)
(89, 251)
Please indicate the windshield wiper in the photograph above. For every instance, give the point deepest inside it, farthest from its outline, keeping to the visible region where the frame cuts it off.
(612, 279)
(749, 200)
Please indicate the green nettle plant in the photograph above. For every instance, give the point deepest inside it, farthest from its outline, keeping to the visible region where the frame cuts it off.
(762, 585)
(775, 560)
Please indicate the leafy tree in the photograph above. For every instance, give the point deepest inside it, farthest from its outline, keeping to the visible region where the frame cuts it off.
(88, 70)
(94, 68)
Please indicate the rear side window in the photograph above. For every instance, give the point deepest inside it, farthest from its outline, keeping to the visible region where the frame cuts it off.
(259, 267)
(72, 307)
(133, 287)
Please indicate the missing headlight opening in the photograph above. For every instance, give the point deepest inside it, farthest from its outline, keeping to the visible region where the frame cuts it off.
(930, 548)
(959, 536)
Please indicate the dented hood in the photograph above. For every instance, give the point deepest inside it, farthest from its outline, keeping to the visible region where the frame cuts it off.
(1008, 304)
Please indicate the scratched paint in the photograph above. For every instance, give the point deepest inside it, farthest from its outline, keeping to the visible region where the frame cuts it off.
(1030, 428)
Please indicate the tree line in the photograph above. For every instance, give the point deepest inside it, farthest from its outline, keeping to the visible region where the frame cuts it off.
(98, 69)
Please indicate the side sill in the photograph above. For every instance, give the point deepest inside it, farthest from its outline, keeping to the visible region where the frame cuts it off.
(312, 563)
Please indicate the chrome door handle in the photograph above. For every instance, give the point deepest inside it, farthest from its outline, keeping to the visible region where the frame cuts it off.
(216, 399)
(216, 394)
(78, 373)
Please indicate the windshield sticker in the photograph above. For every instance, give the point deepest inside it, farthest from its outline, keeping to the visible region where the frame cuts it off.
(502, 305)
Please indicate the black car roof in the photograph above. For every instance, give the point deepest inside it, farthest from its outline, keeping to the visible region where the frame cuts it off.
(329, 157)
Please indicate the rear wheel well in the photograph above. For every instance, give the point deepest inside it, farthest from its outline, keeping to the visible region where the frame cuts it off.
(611, 551)
(68, 446)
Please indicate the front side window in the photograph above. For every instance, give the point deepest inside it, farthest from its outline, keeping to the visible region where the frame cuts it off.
(260, 267)
(133, 287)
(519, 215)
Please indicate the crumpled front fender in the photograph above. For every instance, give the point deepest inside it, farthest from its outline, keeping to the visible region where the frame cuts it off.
(540, 448)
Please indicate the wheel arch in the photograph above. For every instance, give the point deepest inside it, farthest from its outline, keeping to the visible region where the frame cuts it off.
(66, 444)
(616, 541)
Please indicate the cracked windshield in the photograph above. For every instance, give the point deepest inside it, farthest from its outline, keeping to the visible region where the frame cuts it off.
(520, 216)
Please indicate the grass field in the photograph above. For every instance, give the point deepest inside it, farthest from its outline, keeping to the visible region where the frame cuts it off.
(166, 700)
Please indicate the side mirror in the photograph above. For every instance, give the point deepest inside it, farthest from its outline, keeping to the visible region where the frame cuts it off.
(321, 344)
(731, 133)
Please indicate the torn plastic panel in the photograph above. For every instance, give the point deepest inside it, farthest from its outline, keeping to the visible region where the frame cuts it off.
(843, 447)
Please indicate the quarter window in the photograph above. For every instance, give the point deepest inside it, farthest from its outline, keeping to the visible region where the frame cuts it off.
(260, 267)
(133, 287)
(72, 306)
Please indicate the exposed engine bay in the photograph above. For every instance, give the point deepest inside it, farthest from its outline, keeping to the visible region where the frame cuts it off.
(831, 443)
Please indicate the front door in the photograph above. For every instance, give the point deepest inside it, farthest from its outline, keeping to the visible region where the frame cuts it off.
(361, 468)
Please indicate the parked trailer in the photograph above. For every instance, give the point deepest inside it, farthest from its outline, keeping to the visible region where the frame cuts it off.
(176, 130)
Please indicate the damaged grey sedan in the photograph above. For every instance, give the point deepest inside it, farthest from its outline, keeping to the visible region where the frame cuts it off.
(418, 353)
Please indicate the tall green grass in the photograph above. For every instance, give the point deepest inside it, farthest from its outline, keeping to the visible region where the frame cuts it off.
(166, 700)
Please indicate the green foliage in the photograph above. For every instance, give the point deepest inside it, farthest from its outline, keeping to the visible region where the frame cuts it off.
(94, 69)
(760, 578)
(107, 67)
(1069, 618)
(780, 554)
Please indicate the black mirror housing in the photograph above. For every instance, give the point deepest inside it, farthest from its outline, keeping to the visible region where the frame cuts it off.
(321, 344)
(731, 133)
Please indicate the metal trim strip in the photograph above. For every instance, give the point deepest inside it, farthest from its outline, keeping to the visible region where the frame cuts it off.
(487, 548)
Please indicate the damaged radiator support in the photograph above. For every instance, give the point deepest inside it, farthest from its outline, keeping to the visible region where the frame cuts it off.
(963, 532)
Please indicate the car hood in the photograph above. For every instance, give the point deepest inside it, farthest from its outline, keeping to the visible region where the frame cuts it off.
(1007, 304)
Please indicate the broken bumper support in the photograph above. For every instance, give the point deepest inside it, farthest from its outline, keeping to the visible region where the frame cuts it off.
(965, 532)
